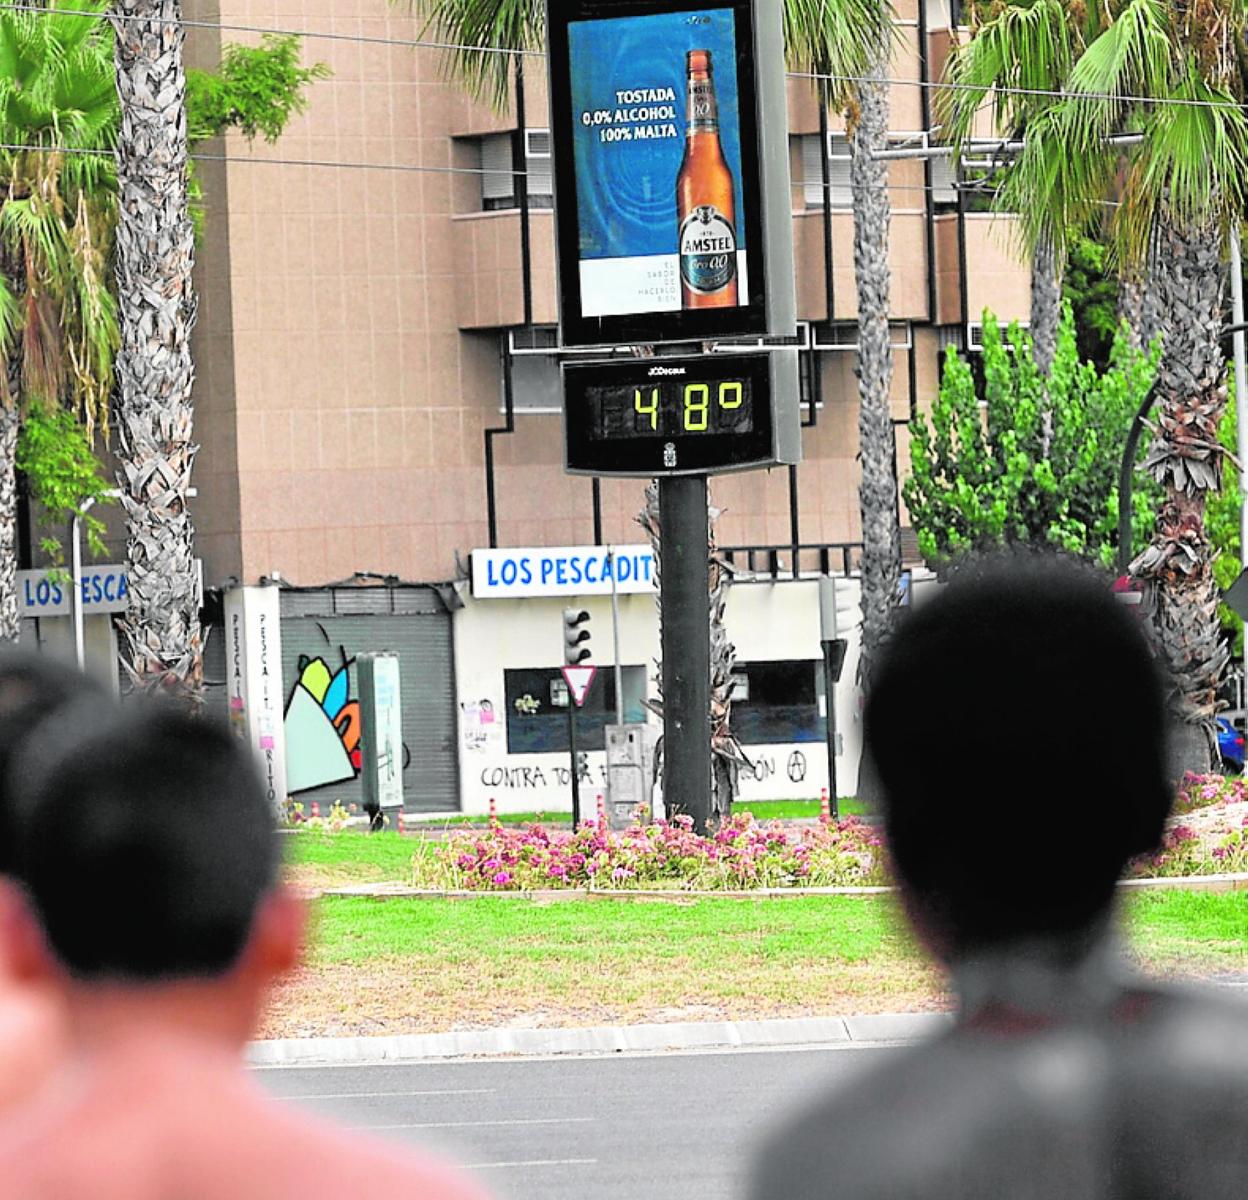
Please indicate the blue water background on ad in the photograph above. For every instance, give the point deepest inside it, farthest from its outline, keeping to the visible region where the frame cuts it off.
(626, 191)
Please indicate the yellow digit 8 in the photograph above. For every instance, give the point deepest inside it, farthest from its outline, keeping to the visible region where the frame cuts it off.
(650, 410)
(697, 403)
(734, 389)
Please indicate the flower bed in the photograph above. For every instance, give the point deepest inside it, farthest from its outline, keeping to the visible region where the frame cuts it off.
(1207, 835)
(744, 854)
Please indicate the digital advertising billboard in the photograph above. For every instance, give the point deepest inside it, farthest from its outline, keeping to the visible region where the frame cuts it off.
(660, 190)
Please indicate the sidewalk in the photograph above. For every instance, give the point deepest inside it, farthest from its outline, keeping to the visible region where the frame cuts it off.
(880, 1028)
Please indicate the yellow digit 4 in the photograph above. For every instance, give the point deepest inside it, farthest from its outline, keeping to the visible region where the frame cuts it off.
(650, 410)
(697, 402)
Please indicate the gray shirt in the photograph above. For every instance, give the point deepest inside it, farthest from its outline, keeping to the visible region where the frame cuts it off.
(1054, 1084)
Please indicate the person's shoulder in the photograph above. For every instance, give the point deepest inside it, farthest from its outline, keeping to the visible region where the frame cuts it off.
(848, 1132)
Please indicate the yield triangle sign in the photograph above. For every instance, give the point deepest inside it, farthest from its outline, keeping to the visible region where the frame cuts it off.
(579, 680)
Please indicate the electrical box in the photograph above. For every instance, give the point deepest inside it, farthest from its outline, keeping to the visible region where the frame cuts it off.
(630, 772)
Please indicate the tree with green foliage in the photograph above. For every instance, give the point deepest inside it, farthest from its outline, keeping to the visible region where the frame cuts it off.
(1017, 58)
(1173, 78)
(1013, 456)
(1090, 286)
(58, 321)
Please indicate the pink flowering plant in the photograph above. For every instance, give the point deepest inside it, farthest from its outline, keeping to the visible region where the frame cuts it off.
(1202, 791)
(1207, 833)
(665, 854)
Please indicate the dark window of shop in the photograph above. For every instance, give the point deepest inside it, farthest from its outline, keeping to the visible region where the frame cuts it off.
(776, 702)
(537, 708)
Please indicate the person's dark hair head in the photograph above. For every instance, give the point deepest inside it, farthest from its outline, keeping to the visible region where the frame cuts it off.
(1017, 724)
(32, 688)
(146, 843)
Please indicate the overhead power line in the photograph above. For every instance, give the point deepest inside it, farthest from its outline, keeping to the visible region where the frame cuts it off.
(969, 186)
(425, 44)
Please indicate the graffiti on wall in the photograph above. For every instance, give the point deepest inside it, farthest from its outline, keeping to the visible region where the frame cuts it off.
(531, 778)
(322, 727)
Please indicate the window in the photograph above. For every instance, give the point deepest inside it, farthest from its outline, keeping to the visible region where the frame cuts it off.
(840, 195)
(498, 183)
(944, 180)
(779, 702)
(537, 708)
(536, 386)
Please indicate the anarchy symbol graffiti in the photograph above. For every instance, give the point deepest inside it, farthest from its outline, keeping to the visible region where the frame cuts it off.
(797, 766)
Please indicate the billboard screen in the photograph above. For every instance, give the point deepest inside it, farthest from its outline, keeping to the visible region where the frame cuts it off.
(655, 122)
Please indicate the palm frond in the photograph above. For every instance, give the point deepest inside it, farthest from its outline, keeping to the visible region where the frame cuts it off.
(1198, 152)
(840, 39)
(1021, 50)
(1133, 57)
(477, 29)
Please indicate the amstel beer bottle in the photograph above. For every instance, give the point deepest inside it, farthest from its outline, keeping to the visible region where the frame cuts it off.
(704, 198)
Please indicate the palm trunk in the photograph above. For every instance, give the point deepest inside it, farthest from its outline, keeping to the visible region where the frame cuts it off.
(155, 254)
(881, 534)
(1139, 302)
(1046, 303)
(10, 422)
(1186, 459)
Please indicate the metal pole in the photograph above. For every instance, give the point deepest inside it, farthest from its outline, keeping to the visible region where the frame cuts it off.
(1126, 473)
(576, 775)
(828, 634)
(615, 638)
(1241, 400)
(686, 642)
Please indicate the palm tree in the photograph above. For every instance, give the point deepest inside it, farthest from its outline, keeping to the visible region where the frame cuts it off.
(155, 254)
(1018, 54)
(1175, 80)
(58, 327)
(877, 491)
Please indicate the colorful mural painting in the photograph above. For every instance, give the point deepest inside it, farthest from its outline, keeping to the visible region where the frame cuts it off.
(322, 727)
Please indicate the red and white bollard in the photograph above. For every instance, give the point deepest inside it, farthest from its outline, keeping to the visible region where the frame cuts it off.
(825, 807)
(398, 819)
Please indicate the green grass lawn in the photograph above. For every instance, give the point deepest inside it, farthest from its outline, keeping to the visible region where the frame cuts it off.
(408, 965)
(795, 810)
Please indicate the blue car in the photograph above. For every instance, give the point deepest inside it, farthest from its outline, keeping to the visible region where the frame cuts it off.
(1230, 747)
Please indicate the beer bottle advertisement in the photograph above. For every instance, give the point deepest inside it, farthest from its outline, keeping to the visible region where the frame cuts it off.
(657, 145)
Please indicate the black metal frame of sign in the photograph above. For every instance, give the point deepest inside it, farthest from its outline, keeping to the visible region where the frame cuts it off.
(690, 415)
(769, 308)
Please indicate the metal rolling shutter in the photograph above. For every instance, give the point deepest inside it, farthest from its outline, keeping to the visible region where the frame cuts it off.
(337, 623)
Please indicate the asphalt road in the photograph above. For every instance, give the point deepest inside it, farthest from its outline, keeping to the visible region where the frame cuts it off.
(647, 1127)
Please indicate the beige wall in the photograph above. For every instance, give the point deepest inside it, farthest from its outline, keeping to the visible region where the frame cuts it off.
(348, 343)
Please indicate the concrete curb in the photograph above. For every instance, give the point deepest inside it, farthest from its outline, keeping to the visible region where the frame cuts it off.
(603, 1039)
(392, 891)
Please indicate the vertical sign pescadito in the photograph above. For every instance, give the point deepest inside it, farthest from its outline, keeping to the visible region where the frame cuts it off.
(254, 668)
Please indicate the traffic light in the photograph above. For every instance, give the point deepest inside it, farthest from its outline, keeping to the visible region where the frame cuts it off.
(575, 636)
